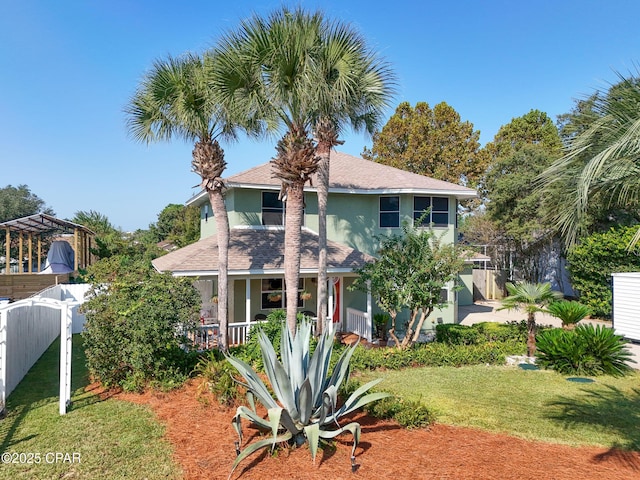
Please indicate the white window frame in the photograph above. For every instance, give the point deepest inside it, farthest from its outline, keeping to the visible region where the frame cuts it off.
(381, 212)
(429, 219)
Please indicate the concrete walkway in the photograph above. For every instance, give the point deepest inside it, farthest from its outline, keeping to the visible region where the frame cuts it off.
(488, 312)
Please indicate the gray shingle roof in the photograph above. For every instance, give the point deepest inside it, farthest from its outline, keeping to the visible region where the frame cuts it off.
(348, 172)
(255, 250)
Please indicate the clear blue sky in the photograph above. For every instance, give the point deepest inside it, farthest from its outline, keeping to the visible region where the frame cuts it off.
(68, 68)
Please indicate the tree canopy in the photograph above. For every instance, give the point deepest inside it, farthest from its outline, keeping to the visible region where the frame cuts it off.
(17, 202)
(410, 272)
(432, 142)
(599, 172)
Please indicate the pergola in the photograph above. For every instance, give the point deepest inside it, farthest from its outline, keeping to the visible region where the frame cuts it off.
(36, 225)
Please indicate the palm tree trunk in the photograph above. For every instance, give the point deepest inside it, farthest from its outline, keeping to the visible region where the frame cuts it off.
(292, 241)
(531, 334)
(222, 226)
(323, 152)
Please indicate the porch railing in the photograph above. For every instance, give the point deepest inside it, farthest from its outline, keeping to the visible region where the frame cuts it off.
(358, 322)
(207, 336)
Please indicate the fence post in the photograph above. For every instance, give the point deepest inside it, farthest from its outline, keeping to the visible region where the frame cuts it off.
(3, 360)
(66, 321)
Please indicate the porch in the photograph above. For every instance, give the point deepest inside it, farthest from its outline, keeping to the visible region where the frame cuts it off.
(207, 336)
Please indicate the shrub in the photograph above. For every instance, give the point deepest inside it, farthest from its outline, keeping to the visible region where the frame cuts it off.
(408, 413)
(217, 377)
(133, 333)
(569, 313)
(587, 350)
(456, 334)
(594, 259)
(434, 355)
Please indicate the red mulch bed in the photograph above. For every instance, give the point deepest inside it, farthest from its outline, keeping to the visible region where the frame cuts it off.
(203, 439)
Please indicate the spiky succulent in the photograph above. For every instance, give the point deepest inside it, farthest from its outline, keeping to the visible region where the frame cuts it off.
(306, 395)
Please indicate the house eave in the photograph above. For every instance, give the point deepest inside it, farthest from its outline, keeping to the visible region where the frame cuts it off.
(459, 194)
(276, 272)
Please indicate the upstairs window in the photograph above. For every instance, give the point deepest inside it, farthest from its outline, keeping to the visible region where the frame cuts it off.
(439, 215)
(389, 212)
(272, 209)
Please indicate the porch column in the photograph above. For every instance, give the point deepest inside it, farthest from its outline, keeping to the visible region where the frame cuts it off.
(20, 253)
(247, 299)
(330, 300)
(231, 295)
(30, 252)
(369, 303)
(7, 252)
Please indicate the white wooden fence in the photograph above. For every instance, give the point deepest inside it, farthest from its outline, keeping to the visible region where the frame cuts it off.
(27, 328)
(358, 322)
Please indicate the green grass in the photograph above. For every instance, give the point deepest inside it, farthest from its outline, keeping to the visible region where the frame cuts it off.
(113, 439)
(531, 404)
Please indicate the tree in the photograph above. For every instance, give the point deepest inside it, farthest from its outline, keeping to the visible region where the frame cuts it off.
(519, 152)
(410, 272)
(352, 85)
(519, 209)
(533, 128)
(532, 298)
(433, 142)
(600, 165)
(271, 65)
(178, 224)
(176, 99)
(17, 202)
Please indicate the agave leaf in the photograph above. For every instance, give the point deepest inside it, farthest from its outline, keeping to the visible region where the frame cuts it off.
(255, 384)
(319, 365)
(288, 422)
(305, 400)
(299, 356)
(362, 401)
(353, 427)
(257, 446)
(328, 407)
(341, 369)
(244, 412)
(312, 432)
(274, 415)
(280, 381)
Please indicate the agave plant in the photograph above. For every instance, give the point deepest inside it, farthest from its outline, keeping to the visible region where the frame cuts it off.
(305, 405)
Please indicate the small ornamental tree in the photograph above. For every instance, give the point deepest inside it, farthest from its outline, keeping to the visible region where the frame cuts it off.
(410, 272)
(531, 298)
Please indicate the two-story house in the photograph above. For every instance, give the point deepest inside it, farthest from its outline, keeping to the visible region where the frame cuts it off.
(365, 199)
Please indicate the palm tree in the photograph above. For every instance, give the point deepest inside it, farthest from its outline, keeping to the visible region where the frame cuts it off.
(174, 100)
(271, 61)
(532, 298)
(352, 85)
(601, 161)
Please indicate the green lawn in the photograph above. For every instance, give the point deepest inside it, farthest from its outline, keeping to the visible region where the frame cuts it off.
(111, 439)
(532, 404)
